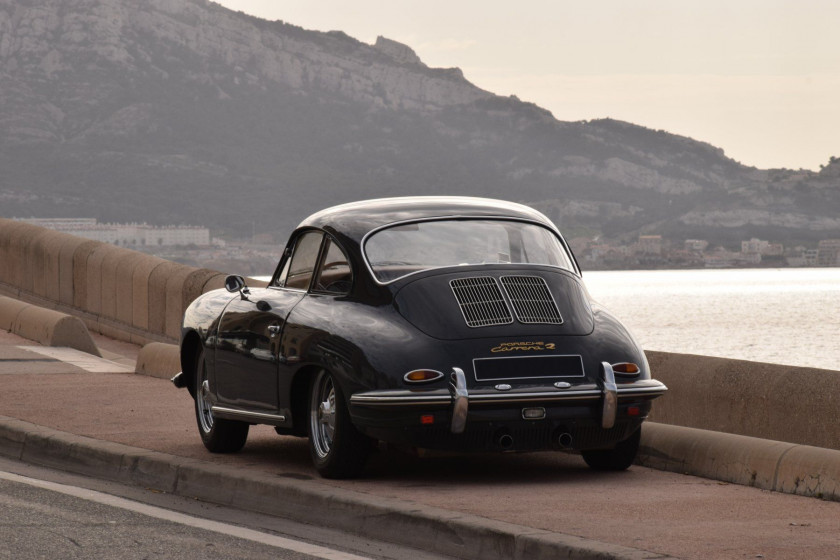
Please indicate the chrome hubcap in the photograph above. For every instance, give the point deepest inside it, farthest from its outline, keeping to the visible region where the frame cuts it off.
(323, 414)
(205, 415)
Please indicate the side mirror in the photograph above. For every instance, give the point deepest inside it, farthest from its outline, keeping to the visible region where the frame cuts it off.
(234, 283)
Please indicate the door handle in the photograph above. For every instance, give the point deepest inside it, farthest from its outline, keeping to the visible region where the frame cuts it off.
(273, 330)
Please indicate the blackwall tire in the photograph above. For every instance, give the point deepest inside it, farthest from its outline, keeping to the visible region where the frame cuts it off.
(218, 434)
(617, 459)
(337, 448)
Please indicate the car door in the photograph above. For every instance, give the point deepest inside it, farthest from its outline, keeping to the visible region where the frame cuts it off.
(309, 336)
(249, 348)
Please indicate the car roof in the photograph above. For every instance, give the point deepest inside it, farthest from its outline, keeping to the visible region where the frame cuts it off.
(357, 219)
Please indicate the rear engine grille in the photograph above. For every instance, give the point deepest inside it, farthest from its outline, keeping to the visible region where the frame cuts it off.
(531, 300)
(481, 301)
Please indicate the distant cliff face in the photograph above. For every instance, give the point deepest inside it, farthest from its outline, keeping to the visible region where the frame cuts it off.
(48, 38)
(173, 111)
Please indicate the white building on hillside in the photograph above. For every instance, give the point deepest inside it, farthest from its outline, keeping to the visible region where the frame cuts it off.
(126, 235)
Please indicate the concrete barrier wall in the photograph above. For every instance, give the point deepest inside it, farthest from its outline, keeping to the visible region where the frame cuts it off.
(139, 298)
(762, 463)
(158, 359)
(769, 401)
(118, 292)
(49, 327)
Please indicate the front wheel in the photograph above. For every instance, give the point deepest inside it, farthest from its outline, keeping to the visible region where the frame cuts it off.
(337, 448)
(617, 459)
(218, 434)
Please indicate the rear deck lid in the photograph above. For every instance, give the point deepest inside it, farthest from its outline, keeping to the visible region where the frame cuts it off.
(497, 303)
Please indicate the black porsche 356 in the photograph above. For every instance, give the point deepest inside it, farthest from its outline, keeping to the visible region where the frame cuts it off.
(437, 322)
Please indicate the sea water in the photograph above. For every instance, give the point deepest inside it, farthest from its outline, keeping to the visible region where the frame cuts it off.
(786, 316)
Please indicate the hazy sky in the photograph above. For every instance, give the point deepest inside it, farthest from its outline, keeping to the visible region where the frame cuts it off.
(758, 78)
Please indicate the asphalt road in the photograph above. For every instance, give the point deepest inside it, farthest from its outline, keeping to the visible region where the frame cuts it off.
(51, 514)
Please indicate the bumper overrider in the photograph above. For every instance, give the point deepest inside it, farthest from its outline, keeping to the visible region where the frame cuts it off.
(600, 402)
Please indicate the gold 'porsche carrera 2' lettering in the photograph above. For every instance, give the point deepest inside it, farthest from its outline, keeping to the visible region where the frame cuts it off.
(523, 346)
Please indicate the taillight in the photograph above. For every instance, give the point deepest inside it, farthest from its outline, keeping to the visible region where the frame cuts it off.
(422, 376)
(626, 369)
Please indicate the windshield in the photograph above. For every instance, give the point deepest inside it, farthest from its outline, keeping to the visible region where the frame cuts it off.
(401, 250)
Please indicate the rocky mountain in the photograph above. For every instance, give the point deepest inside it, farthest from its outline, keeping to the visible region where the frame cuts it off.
(182, 111)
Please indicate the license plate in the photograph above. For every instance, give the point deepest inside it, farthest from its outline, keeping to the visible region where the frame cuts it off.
(527, 367)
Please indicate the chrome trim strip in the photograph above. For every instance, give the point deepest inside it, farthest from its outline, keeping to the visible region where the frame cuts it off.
(630, 392)
(525, 398)
(460, 400)
(610, 396)
(232, 413)
(179, 380)
(388, 398)
(440, 397)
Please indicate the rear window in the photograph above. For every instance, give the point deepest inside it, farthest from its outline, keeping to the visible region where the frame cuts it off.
(408, 248)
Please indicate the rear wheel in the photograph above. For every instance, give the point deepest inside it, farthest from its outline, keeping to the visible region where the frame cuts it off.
(218, 434)
(337, 448)
(617, 459)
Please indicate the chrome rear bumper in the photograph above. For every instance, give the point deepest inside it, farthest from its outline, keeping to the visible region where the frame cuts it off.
(460, 399)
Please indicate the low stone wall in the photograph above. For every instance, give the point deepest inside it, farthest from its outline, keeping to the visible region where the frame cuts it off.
(769, 401)
(158, 359)
(128, 295)
(772, 465)
(121, 293)
(46, 326)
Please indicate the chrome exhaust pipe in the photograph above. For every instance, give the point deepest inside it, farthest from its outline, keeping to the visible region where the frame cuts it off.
(564, 440)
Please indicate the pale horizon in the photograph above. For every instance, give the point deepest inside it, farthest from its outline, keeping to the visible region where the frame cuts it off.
(759, 79)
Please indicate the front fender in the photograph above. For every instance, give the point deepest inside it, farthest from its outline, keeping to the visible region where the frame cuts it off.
(204, 313)
(198, 330)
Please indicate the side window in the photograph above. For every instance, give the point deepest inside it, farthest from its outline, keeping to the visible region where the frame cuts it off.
(299, 269)
(335, 275)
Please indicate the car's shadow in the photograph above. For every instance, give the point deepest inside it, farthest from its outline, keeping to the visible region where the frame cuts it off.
(289, 457)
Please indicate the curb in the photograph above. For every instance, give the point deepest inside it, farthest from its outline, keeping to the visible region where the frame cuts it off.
(50, 328)
(761, 463)
(158, 359)
(387, 519)
(771, 465)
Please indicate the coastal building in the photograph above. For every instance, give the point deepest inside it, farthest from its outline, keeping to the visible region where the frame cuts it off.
(126, 235)
(828, 252)
(649, 245)
(721, 258)
(762, 247)
(696, 245)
